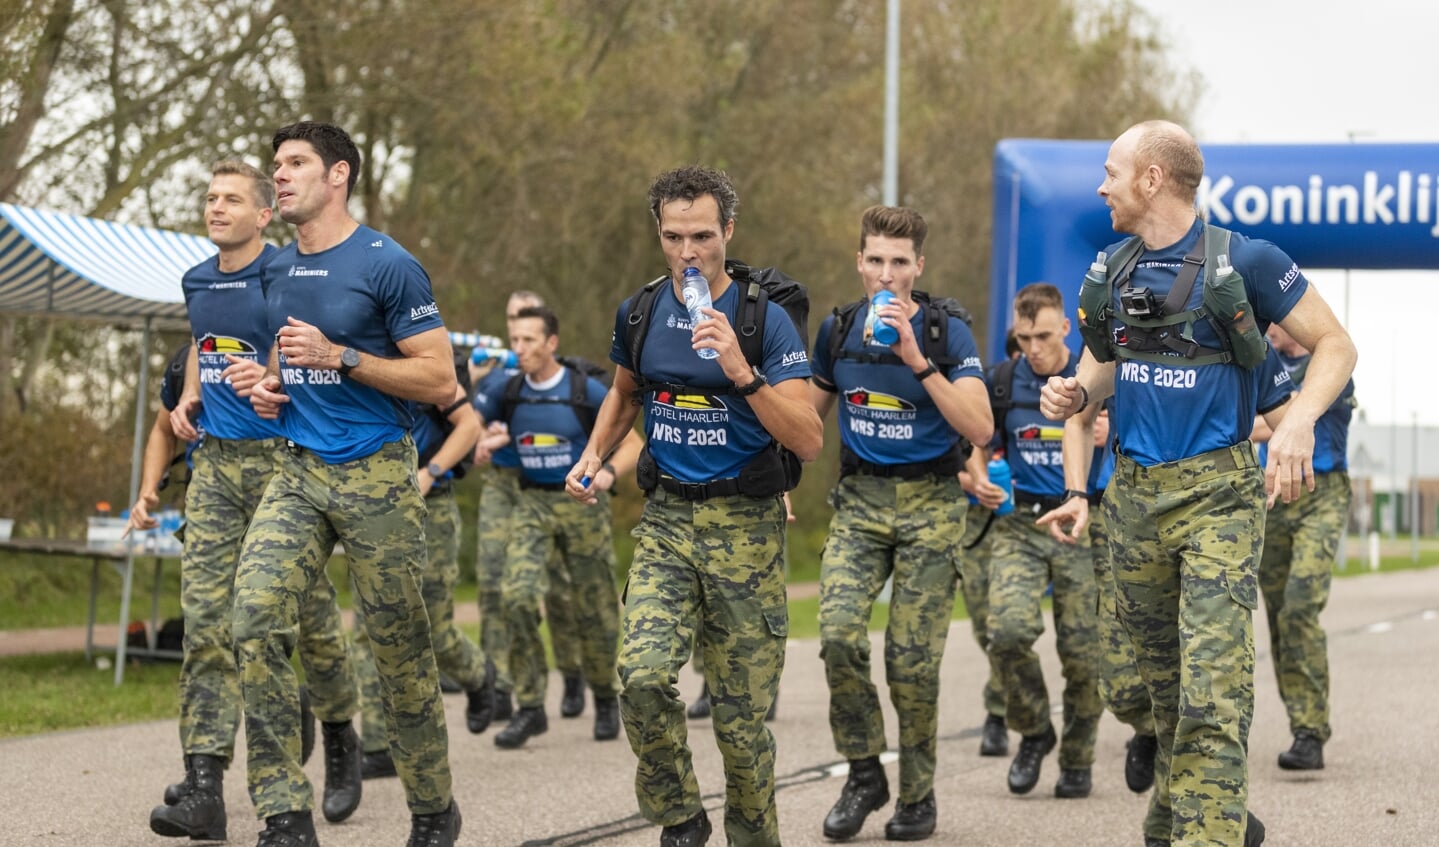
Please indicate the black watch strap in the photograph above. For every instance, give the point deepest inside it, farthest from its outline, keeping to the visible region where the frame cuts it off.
(758, 383)
(1071, 493)
(930, 370)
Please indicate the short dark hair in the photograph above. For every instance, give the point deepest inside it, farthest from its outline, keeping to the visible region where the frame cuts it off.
(690, 183)
(1035, 296)
(261, 185)
(893, 222)
(544, 313)
(332, 144)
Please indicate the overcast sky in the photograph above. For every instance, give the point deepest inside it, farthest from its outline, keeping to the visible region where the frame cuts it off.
(1319, 72)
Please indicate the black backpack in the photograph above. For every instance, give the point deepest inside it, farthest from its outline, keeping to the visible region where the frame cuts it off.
(758, 287)
(581, 369)
(441, 417)
(937, 312)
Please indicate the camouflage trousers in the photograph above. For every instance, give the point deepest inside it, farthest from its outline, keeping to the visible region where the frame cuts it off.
(1184, 543)
(908, 529)
(974, 585)
(552, 538)
(1120, 687)
(228, 482)
(456, 655)
(498, 497)
(1025, 559)
(718, 564)
(373, 506)
(1301, 543)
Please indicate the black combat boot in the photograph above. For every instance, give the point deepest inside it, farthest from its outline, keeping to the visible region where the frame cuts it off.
(377, 765)
(1253, 832)
(912, 821)
(1139, 763)
(866, 790)
(692, 833)
(175, 790)
(438, 830)
(1024, 770)
(200, 811)
(700, 708)
(343, 770)
(1307, 754)
(292, 829)
(504, 706)
(573, 701)
(480, 702)
(528, 722)
(1074, 783)
(994, 737)
(607, 718)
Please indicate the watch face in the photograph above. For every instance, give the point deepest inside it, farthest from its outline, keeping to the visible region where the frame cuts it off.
(350, 357)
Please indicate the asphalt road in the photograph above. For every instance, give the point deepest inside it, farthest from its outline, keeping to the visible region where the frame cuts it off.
(96, 787)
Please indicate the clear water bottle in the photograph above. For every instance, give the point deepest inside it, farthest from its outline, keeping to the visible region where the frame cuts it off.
(999, 475)
(696, 291)
(879, 331)
(506, 358)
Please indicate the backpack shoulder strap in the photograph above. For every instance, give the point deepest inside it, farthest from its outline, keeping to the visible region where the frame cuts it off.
(753, 306)
(637, 325)
(1122, 263)
(843, 322)
(511, 398)
(579, 399)
(1001, 390)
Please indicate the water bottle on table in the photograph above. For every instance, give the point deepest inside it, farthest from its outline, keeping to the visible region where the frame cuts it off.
(696, 291)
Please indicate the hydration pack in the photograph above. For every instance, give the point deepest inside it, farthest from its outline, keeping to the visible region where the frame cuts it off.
(1164, 332)
(441, 417)
(581, 369)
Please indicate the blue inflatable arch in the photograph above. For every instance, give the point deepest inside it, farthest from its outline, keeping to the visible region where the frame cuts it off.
(1370, 206)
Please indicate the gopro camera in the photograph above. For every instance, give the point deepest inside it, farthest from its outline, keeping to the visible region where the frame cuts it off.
(1138, 302)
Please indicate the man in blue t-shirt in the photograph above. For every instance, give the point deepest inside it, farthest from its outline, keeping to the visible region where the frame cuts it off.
(357, 333)
(1301, 543)
(500, 465)
(233, 460)
(553, 539)
(1185, 507)
(1025, 560)
(908, 413)
(710, 544)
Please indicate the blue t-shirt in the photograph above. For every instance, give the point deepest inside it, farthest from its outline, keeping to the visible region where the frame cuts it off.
(227, 316)
(885, 415)
(492, 386)
(1166, 413)
(700, 437)
(1331, 431)
(545, 432)
(366, 292)
(1032, 443)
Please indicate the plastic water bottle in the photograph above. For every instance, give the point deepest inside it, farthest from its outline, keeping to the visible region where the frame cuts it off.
(696, 291)
(881, 332)
(999, 475)
(474, 339)
(506, 358)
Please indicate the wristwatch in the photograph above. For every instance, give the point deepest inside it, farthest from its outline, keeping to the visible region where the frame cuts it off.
(349, 360)
(759, 382)
(930, 370)
(1071, 493)
(435, 470)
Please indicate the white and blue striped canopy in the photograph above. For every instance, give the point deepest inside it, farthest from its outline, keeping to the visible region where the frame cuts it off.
(78, 267)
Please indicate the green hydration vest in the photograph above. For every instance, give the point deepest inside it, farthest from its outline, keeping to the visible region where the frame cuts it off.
(1164, 332)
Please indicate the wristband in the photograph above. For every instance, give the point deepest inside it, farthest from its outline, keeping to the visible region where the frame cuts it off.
(611, 468)
(1084, 399)
(1071, 493)
(928, 372)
